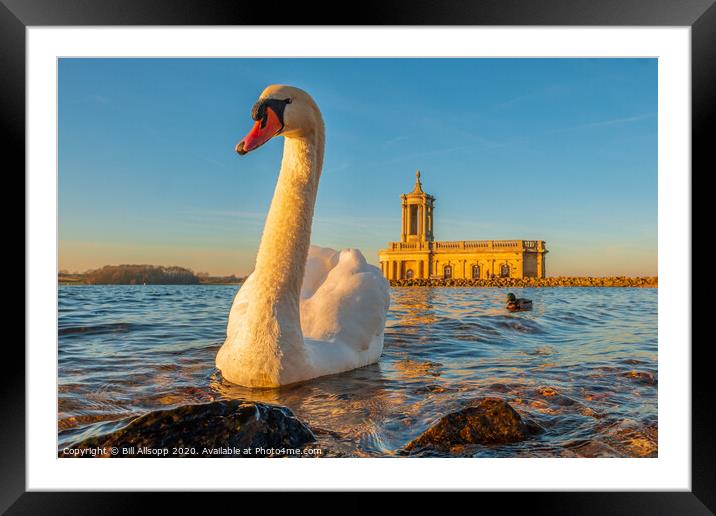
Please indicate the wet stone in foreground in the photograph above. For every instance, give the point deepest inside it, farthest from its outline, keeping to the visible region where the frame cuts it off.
(486, 421)
(232, 428)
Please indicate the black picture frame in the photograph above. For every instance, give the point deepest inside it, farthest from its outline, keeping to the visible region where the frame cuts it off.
(700, 15)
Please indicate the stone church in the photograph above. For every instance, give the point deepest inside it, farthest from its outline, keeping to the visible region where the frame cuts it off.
(418, 255)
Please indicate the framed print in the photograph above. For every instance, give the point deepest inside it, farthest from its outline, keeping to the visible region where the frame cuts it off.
(450, 250)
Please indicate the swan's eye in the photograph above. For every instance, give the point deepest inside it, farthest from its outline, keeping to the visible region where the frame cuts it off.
(260, 111)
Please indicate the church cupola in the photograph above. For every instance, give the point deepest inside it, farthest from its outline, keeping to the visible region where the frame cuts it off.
(417, 214)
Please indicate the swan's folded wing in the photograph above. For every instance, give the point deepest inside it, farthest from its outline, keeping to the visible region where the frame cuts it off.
(349, 305)
(320, 261)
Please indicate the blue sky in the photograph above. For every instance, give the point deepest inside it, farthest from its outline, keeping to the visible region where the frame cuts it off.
(563, 150)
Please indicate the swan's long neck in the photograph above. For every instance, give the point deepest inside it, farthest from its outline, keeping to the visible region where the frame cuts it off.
(273, 318)
(286, 238)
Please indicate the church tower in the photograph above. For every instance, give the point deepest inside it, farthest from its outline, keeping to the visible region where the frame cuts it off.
(417, 215)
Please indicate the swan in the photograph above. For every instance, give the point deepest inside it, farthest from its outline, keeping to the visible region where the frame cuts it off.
(305, 311)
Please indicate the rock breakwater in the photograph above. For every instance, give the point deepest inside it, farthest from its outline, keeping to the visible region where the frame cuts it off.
(556, 281)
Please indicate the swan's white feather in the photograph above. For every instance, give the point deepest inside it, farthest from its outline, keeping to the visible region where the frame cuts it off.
(343, 304)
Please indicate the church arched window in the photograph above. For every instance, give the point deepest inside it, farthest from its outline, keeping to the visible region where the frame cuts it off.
(447, 272)
(505, 271)
(409, 274)
(475, 272)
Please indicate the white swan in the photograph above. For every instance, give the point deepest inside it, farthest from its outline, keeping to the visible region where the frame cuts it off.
(305, 311)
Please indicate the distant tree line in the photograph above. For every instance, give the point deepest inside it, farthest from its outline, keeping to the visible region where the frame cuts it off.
(140, 274)
(220, 280)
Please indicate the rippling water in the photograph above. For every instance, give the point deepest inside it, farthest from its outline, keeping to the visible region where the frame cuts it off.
(582, 364)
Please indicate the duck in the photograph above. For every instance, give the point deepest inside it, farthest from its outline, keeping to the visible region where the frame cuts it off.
(305, 311)
(515, 304)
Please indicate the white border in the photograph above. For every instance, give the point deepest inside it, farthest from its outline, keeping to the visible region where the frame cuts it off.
(671, 470)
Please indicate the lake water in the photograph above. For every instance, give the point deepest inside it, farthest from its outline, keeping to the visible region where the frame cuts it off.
(582, 364)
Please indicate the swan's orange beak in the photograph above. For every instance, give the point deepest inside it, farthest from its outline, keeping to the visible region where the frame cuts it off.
(263, 130)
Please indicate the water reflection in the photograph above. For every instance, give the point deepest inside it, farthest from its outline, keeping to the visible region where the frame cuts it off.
(582, 363)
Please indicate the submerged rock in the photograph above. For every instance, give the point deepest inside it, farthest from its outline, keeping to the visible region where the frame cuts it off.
(231, 428)
(637, 441)
(554, 397)
(641, 377)
(486, 421)
(592, 449)
(433, 389)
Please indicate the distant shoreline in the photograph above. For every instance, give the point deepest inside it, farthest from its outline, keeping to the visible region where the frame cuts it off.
(144, 274)
(550, 282)
(82, 282)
